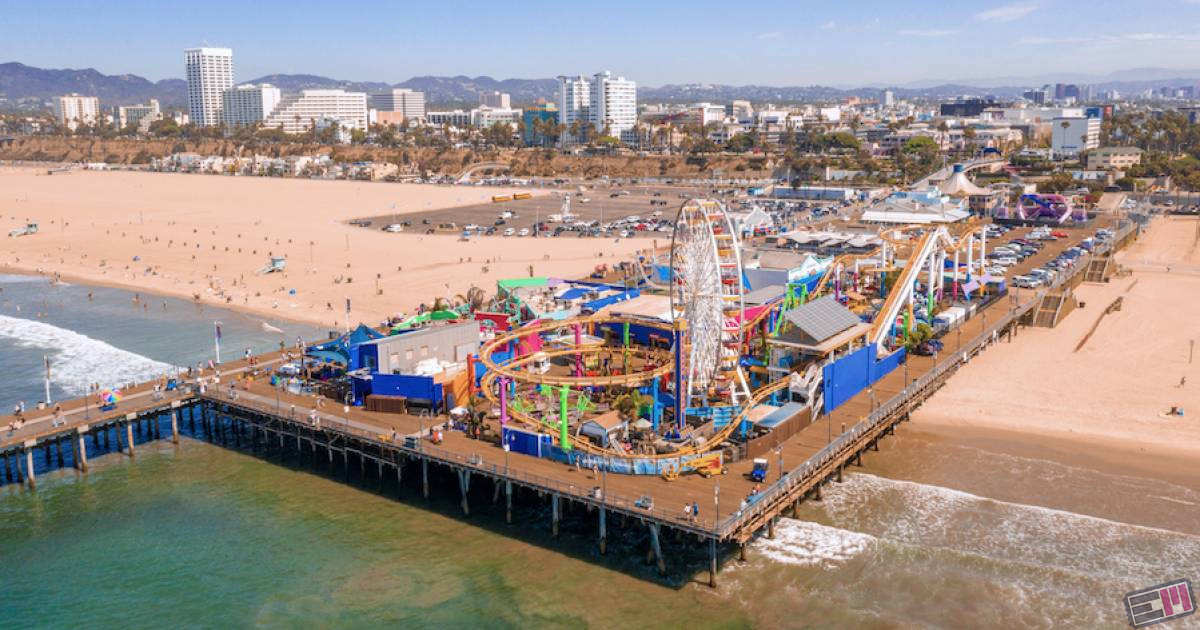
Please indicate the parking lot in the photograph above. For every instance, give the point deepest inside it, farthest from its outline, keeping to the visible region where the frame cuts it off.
(655, 208)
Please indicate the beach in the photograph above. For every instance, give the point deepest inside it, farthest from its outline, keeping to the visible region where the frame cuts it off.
(206, 238)
(1115, 390)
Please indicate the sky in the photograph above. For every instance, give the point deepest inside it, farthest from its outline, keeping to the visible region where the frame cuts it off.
(653, 42)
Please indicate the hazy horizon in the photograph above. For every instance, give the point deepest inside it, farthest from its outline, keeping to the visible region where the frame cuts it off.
(872, 43)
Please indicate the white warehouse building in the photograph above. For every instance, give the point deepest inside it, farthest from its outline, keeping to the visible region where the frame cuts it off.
(298, 113)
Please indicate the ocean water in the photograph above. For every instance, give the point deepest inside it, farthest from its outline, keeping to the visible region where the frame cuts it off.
(928, 534)
(113, 338)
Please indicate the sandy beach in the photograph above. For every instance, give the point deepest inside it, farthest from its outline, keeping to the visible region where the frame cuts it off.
(1115, 390)
(206, 238)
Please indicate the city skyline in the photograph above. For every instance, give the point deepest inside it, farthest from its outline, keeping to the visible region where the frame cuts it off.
(838, 46)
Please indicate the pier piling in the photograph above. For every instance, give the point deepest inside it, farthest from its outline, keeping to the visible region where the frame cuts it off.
(508, 502)
(81, 449)
(129, 437)
(657, 548)
(29, 464)
(712, 562)
(603, 532)
(425, 478)
(464, 486)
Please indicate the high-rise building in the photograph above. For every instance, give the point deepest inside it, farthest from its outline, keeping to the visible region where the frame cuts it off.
(73, 110)
(574, 105)
(887, 99)
(209, 73)
(297, 113)
(496, 100)
(1036, 96)
(614, 106)
(134, 115)
(605, 104)
(248, 104)
(409, 103)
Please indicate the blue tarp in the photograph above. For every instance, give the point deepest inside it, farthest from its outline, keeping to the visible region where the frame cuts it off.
(340, 350)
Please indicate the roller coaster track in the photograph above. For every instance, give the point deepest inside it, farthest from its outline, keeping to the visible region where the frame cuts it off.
(509, 370)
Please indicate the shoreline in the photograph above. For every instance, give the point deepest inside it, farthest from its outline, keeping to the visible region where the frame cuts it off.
(1099, 386)
(76, 280)
(186, 236)
(1174, 465)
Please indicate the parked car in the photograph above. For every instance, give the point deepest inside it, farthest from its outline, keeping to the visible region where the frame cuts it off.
(395, 227)
(522, 232)
(509, 231)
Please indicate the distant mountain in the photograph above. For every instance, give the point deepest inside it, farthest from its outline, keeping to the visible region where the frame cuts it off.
(463, 89)
(31, 86)
(297, 82)
(19, 81)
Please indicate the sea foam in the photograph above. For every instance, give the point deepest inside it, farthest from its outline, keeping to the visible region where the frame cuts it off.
(805, 543)
(77, 360)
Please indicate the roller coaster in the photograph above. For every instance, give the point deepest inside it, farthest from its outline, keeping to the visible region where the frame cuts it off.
(691, 365)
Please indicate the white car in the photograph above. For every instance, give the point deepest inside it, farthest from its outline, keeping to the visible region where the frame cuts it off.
(395, 227)
(509, 232)
(523, 232)
(471, 227)
(624, 233)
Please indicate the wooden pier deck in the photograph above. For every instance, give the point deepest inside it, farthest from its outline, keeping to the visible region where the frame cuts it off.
(264, 415)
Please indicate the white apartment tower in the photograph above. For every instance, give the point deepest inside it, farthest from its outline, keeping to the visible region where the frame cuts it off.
(209, 73)
(298, 113)
(614, 106)
(73, 110)
(248, 104)
(574, 104)
(410, 103)
(603, 102)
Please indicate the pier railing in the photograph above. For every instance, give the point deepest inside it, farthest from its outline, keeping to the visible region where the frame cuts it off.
(884, 413)
(414, 445)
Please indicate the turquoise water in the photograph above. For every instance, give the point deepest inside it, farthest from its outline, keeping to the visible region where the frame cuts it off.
(113, 336)
(197, 535)
(929, 533)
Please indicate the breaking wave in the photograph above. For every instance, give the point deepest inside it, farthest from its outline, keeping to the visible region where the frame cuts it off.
(809, 544)
(921, 515)
(77, 360)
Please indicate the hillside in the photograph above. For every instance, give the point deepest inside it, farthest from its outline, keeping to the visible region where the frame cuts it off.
(528, 162)
(21, 82)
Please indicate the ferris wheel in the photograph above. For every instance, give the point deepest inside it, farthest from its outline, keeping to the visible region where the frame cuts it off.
(706, 296)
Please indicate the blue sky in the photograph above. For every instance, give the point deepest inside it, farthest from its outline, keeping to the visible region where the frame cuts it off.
(654, 42)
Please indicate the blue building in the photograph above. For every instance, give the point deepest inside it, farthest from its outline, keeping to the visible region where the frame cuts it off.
(536, 117)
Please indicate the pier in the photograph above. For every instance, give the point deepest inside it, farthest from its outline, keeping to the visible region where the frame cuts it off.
(253, 415)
